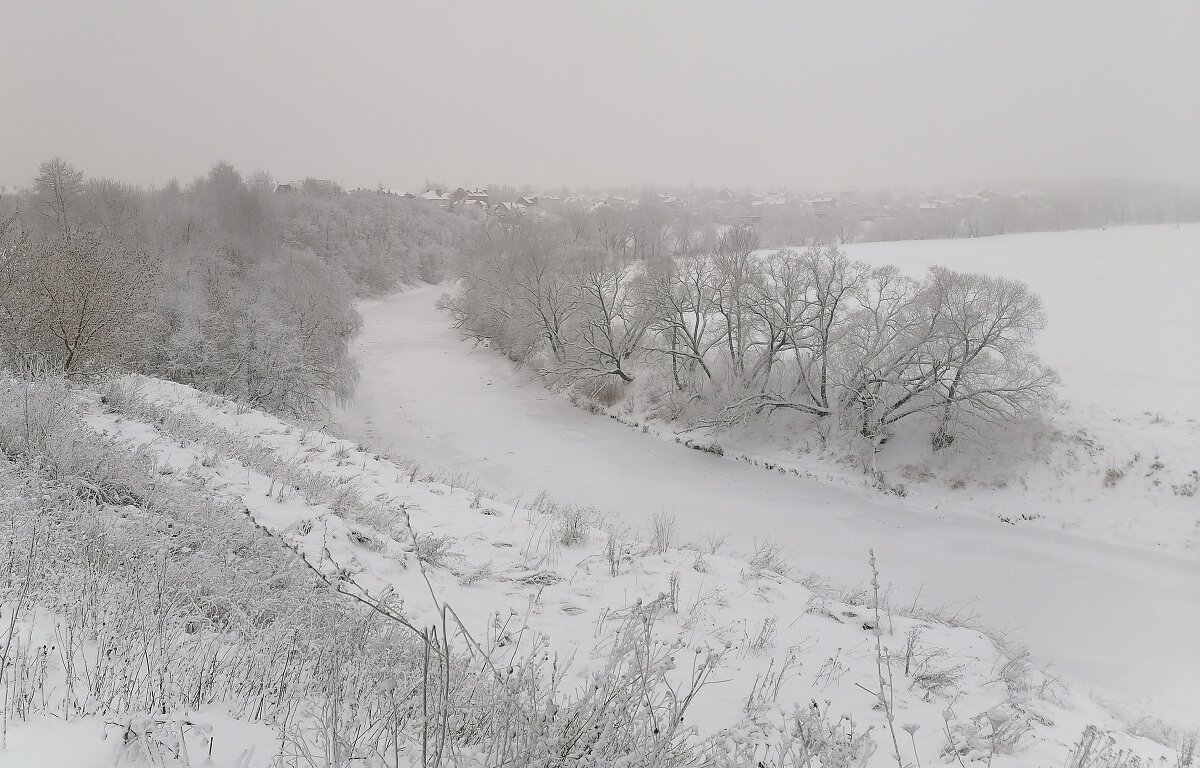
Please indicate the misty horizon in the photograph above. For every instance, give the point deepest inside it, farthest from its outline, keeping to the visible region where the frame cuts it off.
(549, 96)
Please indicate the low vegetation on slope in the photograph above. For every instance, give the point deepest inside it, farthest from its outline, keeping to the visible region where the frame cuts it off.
(207, 584)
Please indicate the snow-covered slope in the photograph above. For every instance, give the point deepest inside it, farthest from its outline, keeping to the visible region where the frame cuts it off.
(769, 647)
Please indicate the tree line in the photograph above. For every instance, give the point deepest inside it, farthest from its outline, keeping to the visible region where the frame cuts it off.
(222, 284)
(639, 222)
(717, 331)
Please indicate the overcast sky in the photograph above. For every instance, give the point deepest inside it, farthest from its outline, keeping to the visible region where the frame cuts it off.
(810, 95)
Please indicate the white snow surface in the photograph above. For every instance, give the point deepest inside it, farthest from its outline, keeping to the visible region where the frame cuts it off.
(1102, 600)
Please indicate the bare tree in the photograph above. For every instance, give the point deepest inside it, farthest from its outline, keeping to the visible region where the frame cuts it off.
(518, 293)
(954, 345)
(16, 295)
(93, 293)
(614, 232)
(607, 330)
(683, 233)
(681, 294)
(735, 273)
(985, 329)
(885, 369)
(113, 207)
(58, 191)
(801, 303)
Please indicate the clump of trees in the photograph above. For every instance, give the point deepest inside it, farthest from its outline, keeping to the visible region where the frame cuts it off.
(223, 284)
(724, 331)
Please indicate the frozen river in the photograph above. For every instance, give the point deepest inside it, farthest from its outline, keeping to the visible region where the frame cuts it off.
(1125, 620)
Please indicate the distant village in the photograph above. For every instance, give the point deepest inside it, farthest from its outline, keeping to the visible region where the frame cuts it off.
(731, 205)
(788, 217)
(849, 215)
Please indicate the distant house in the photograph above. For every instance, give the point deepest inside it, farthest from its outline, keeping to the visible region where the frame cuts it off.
(508, 209)
(822, 206)
(324, 187)
(769, 200)
(437, 197)
(460, 197)
(619, 202)
(311, 186)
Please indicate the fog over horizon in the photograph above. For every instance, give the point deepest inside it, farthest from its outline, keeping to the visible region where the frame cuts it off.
(720, 94)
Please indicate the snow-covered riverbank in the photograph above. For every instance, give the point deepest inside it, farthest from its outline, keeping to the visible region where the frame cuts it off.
(1122, 618)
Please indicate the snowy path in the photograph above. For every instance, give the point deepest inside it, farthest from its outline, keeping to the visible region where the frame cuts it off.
(1124, 620)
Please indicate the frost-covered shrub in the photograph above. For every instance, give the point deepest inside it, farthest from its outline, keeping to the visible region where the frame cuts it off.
(1189, 486)
(615, 544)
(999, 731)
(809, 737)
(624, 713)
(1112, 476)
(768, 557)
(37, 415)
(434, 550)
(153, 741)
(662, 532)
(574, 526)
(1097, 749)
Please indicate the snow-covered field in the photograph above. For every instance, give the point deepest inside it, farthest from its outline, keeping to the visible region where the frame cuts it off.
(538, 575)
(1124, 319)
(1104, 584)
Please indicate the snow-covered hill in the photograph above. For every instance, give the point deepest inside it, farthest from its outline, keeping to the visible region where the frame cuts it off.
(758, 658)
